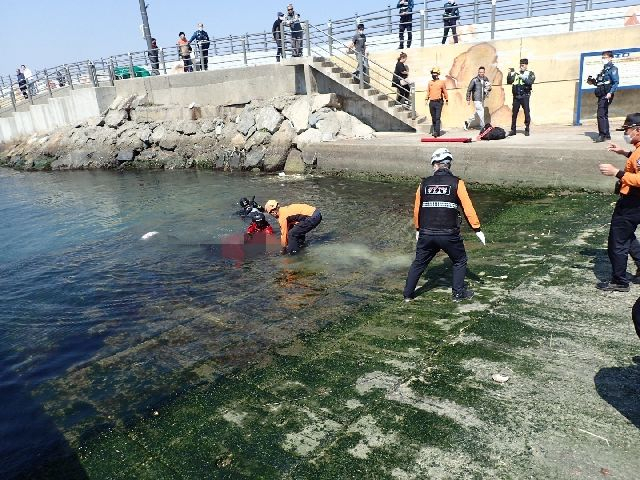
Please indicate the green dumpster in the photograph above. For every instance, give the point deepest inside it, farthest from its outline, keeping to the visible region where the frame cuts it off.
(125, 72)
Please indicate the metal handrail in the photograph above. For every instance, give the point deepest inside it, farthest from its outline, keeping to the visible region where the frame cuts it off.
(329, 50)
(254, 48)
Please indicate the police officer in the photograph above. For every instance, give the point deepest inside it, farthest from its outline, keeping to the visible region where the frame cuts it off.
(521, 83)
(606, 84)
(626, 214)
(437, 220)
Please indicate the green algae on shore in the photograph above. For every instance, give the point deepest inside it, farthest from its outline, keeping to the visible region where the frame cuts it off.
(404, 391)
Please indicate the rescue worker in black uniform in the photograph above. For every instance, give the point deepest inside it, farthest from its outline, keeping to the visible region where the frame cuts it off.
(606, 84)
(521, 83)
(437, 220)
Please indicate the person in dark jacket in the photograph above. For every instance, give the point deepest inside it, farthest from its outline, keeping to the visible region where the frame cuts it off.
(276, 30)
(400, 75)
(292, 20)
(359, 45)
(450, 17)
(606, 84)
(202, 41)
(436, 217)
(405, 8)
(521, 83)
(22, 83)
(153, 57)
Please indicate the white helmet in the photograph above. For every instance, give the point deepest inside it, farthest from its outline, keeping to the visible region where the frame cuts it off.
(442, 155)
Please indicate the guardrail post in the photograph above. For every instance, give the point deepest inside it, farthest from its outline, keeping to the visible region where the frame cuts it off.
(68, 72)
(493, 19)
(13, 95)
(330, 30)
(589, 5)
(307, 32)
(231, 42)
(266, 47)
(423, 16)
(390, 29)
(133, 73)
(529, 8)
(572, 15)
(164, 64)
(413, 101)
(112, 72)
(201, 56)
(361, 69)
(244, 50)
(476, 11)
(282, 41)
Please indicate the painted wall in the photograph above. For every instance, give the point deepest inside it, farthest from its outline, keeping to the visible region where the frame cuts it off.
(555, 59)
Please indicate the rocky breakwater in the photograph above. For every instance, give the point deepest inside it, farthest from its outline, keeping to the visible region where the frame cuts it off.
(263, 135)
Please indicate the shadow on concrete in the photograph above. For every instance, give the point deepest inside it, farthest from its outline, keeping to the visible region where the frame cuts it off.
(601, 264)
(36, 450)
(620, 387)
(591, 135)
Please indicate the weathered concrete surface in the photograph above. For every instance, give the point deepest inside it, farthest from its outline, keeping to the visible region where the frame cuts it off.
(553, 156)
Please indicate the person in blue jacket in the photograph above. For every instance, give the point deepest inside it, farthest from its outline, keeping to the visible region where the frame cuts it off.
(405, 8)
(606, 84)
(202, 39)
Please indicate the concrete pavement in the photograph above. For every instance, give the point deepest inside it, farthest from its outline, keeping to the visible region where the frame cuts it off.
(553, 156)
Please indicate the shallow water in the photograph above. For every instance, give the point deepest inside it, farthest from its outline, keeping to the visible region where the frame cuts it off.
(98, 326)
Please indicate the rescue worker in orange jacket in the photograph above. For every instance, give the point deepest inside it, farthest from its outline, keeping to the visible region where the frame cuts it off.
(436, 95)
(437, 219)
(626, 214)
(296, 221)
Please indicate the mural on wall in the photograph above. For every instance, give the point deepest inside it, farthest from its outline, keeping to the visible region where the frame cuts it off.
(465, 67)
(632, 17)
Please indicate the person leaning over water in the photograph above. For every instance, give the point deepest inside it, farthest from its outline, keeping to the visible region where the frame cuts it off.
(437, 220)
(295, 221)
(626, 214)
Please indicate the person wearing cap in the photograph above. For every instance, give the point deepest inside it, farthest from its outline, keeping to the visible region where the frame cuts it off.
(521, 83)
(202, 41)
(606, 84)
(436, 96)
(436, 216)
(295, 221)
(276, 30)
(626, 214)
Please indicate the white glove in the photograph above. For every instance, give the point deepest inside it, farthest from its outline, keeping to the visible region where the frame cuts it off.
(417, 234)
(480, 236)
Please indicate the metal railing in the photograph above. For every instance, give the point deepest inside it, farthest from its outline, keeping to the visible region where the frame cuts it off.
(503, 19)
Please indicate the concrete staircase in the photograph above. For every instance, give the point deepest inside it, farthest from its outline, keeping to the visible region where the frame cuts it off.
(383, 101)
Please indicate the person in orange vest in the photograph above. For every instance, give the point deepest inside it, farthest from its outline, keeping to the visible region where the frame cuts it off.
(437, 95)
(295, 221)
(626, 214)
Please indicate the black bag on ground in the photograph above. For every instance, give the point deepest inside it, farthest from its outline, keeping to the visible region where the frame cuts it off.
(489, 132)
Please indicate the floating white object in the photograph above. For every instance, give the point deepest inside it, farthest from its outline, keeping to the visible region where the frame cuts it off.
(282, 174)
(500, 378)
(147, 236)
